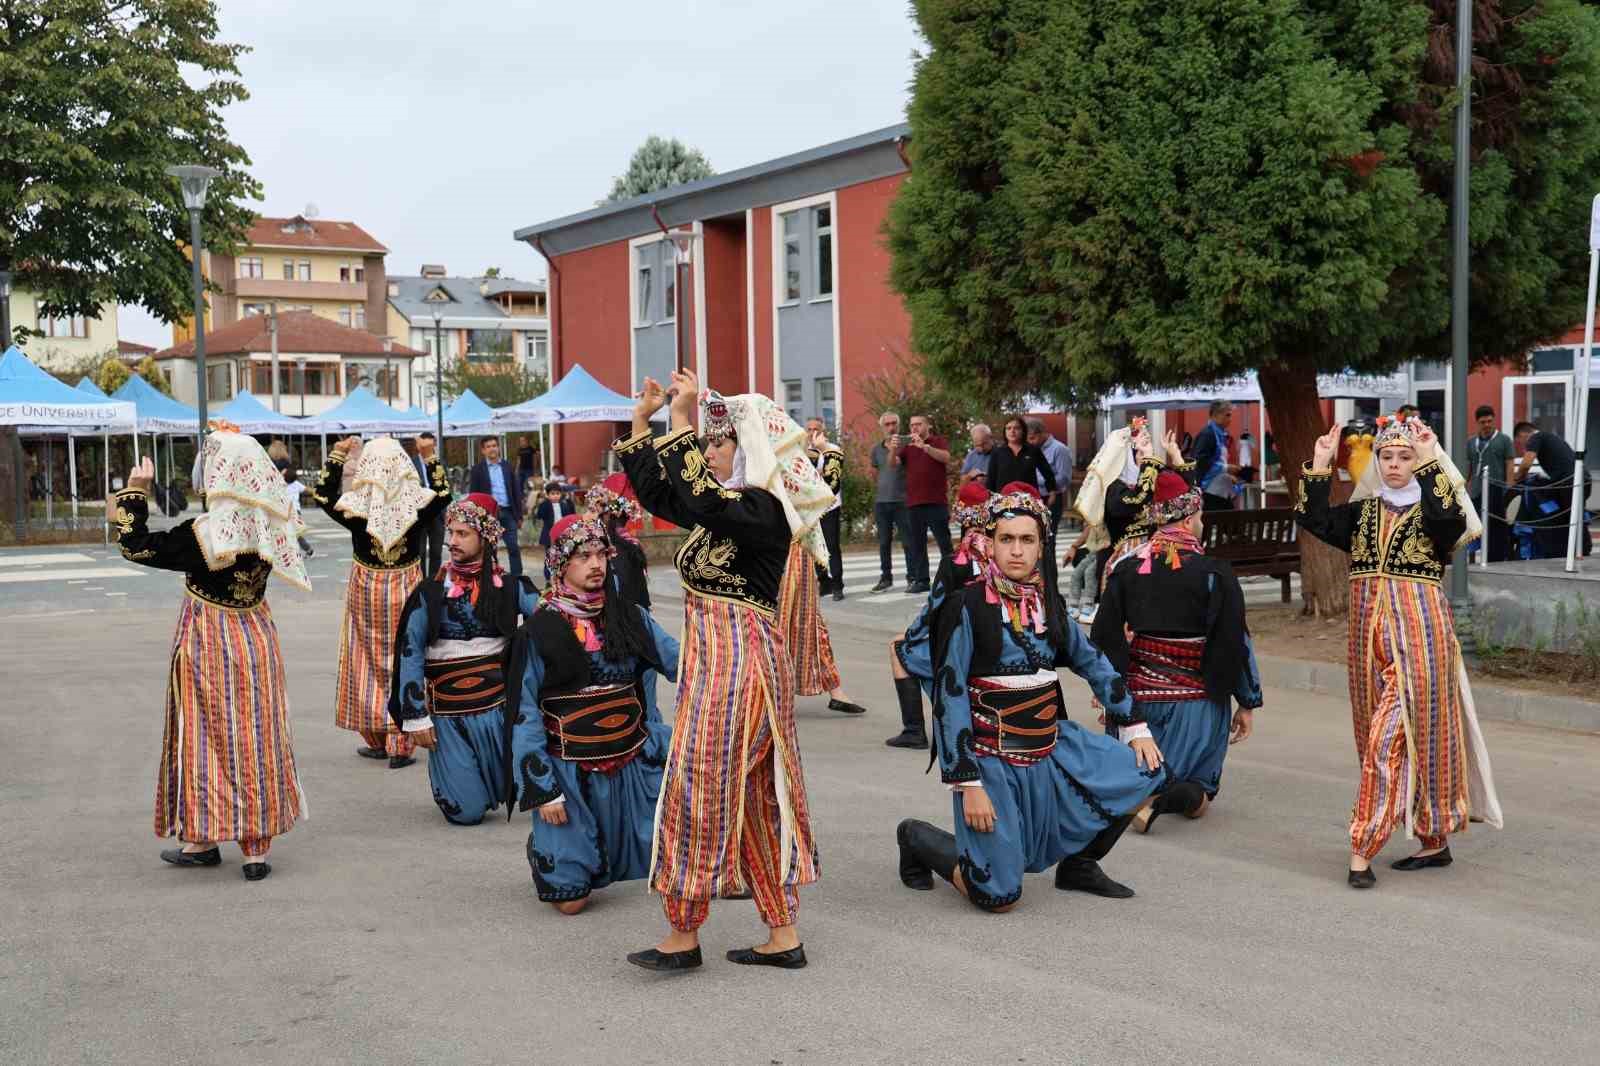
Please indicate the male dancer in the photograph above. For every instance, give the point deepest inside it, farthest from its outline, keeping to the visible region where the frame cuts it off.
(1031, 788)
(449, 687)
(1190, 654)
(828, 458)
(587, 746)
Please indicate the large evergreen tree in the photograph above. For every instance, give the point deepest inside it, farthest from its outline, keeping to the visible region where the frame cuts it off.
(659, 163)
(1126, 192)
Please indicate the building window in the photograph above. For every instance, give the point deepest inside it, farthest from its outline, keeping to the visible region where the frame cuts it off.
(65, 326)
(791, 256)
(166, 372)
(536, 353)
(644, 292)
(361, 274)
(255, 309)
(219, 381)
(669, 297)
(250, 266)
(344, 316)
(358, 315)
(488, 344)
(305, 270)
(288, 270)
(794, 400)
(344, 272)
(822, 243)
(827, 406)
(320, 381)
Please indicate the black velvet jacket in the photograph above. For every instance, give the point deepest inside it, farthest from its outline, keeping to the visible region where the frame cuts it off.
(739, 539)
(1125, 506)
(326, 493)
(1420, 543)
(241, 585)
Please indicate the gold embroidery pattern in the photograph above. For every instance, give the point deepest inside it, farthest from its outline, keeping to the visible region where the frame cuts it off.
(1415, 551)
(436, 478)
(249, 586)
(697, 472)
(1406, 552)
(704, 558)
(388, 556)
(123, 521)
(134, 557)
(1445, 491)
(1303, 497)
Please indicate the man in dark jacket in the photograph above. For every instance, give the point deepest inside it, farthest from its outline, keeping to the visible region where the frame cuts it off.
(493, 476)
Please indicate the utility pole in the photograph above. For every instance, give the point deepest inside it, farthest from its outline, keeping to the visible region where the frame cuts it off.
(272, 328)
(1460, 597)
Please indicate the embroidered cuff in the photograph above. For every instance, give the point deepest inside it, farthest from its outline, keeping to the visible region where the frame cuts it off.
(335, 459)
(1316, 475)
(670, 441)
(417, 725)
(131, 494)
(1428, 469)
(631, 441)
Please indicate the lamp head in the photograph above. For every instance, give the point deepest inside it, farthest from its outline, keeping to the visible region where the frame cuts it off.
(193, 181)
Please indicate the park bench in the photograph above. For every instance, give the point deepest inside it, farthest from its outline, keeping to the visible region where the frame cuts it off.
(1255, 543)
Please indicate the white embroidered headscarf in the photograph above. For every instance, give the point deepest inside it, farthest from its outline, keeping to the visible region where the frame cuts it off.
(1371, 481)
(386, 491)
(248, 508)
(771, 455)
(1113, 464)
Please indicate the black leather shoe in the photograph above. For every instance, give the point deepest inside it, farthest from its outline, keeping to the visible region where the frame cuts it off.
(931, 849)
(398, 761)
(257, 871)
(919, 588)
(372, 753)
(914, 873)
(884, 584)
(1084, 875)
(846, 706)
(793, 959)
(667, 961)
(908, 739)
(179, 857)
(1363, 878)
(1423, 862)
(838, 594)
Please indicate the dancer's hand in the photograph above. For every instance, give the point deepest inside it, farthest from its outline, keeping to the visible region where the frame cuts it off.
(1141, 444)
(1174, 453)
(1146, 753)
(344, 447)
(685, 395)
(651, 399)
(1243, 725)
(1427, 443)
(977, 810)
(141, 477)
(426, 738)
(554, 813)
(1327, 447)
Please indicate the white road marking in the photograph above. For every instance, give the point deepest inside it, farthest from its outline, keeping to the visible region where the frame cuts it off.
(116, 594)
(78, 574)
(45, 559)
(50, 614)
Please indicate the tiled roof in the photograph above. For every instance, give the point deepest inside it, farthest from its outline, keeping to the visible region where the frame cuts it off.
(125, 347)
(466, 297)
(316, 234)
(299, 332)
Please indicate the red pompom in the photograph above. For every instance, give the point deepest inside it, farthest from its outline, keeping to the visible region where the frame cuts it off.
(1020, 487)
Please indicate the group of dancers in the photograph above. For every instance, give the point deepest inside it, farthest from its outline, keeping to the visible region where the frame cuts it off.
(545, 701)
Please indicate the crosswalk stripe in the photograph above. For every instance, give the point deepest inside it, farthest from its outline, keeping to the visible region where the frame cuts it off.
(78, 575)
(46, 559)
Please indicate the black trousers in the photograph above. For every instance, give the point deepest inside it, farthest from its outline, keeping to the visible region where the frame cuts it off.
(891, 517)
(925, 517)
(432, 546)
(833, 577)
(1216, 503)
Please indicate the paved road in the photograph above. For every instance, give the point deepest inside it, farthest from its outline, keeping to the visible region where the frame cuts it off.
(386, 936)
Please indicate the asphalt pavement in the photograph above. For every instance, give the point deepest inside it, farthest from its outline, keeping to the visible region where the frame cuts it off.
(386, 936)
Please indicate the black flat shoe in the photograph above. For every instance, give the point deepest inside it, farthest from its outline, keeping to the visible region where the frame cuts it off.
(1085, 875)
(838, 594)
(1363, 878)
(793, 959)
(667, 961)
(914, 873)
(399, 761)
(1423, 862)
(179, 857)
(883, 585)
(257, 871)
(846, 706)
(372, 753)
(908, 739)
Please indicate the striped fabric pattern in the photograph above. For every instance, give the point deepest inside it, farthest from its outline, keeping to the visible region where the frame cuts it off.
(1166, 669)
(1406, 700)
(1119, 551)
(735, 722)
(227, 754)
(805, 632)
(366, 646)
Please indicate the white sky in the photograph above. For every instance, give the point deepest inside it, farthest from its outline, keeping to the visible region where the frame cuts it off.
(441, 127)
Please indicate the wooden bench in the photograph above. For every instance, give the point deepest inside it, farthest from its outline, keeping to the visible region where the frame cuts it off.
(1255, 543)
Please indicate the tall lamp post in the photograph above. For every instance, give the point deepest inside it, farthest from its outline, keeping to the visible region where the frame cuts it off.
(1460, 598)
(300, 365)
(193, 181)
(5, 310)
(388, 374)
(438, 375)
(683, 241)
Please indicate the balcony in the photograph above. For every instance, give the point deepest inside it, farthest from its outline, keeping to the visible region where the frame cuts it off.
(297, 291)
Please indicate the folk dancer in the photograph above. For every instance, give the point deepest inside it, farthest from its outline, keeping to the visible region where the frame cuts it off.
(1423, 759)
(961, 568)
(387, 509)
(587, 746)
(613, 505)
(1030, 788)
(733, 815)
(829, 460)
(449, 685)
(1189, 656)
(227, 754)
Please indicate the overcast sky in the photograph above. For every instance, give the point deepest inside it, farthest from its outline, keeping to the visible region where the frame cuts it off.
(442, 127)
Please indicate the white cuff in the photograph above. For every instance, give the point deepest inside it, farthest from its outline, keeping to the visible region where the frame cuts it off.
(959, 786)
(1130, 733)
(559, 801)
(417, 725)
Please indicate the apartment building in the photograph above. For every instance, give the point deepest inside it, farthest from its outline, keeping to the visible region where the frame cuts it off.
(67, 339)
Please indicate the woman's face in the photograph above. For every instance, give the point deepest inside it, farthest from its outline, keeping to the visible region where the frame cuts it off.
(1016, 432)
(719, 456)
(1397, 465)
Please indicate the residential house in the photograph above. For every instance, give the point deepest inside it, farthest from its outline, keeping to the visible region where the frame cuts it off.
(67, 339)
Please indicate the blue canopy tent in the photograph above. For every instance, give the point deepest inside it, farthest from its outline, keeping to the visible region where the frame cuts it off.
(577, 397)
(87, 385)
(253, 416)
(470, 416)
(361, 411)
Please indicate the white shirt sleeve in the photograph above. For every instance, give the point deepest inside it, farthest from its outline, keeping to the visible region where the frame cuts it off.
(1129, 733)
(417, 725)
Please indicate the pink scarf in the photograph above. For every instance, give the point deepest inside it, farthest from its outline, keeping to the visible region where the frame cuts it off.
(1021, 602)
(462, 579)
(1171, 540)
(581, 609)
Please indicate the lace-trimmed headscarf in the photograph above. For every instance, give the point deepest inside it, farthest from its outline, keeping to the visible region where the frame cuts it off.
(247, 508)
(385, 491)
(1402, 431)
(771, 455)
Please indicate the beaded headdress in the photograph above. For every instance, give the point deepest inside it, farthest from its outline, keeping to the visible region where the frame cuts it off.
(1015, 500)
(719, 415)
(1396, 429)
(1174, 500)
(480, 512)
(609, 500)
(571, 535)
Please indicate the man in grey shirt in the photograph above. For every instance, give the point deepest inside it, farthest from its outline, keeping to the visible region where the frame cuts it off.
(976, 465)
(889, 501)
(1059, 456)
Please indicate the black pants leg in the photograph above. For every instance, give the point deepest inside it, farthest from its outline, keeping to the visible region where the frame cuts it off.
(830, 534)
(433, 546)
(888, 517)
(917, 547)
(937, 517)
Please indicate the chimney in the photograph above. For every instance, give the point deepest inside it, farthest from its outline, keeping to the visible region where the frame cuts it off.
(433, 270)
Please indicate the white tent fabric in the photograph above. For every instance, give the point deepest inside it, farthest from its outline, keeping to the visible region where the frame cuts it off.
(1244, 388)
(35, 402)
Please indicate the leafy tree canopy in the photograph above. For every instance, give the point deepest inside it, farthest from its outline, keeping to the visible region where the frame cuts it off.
(110, 373)
(498, 379)
(659, 163)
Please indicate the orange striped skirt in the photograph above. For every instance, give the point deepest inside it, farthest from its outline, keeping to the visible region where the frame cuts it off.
(372, 608)
(735, 713)
(227, 755)
(805, 632)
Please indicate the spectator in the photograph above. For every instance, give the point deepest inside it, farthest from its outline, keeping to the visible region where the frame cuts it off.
(494, 477)
(889, 498)
(1489, 458)
(524, 459)
(1214, 474)
(291, 478)
(926, 458)
(555, 506)
(1059, 458)
(1017, 460)
(1547, 504)
(421, 453)
(975, 467)
(1082, 565)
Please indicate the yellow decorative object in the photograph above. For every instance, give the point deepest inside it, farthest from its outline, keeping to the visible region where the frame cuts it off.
(1359, 454)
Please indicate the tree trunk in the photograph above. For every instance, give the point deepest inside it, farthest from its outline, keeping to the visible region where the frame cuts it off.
(13, 483)
(1290, 393)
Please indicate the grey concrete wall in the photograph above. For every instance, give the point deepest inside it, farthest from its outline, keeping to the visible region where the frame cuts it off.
(1518, 603)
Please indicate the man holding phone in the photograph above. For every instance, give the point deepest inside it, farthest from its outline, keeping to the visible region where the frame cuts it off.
(889, 499)
(926, 459)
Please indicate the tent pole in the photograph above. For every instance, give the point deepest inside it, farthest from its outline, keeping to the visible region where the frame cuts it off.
(105, 473)
(49, 484)
(72, 475)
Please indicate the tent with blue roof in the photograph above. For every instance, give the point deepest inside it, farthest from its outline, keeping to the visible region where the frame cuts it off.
(86, 384)
(469, 415)
(577, 397)
(361, 411)
(253, 416)
(155, 411)
(38, 403)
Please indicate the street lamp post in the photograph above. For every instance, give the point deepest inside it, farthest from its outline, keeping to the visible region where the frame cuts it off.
(5, 310)
(300, 365)
(1459, 596)
(683, 241)
(193, 181)
(272, 328)
(438, 376)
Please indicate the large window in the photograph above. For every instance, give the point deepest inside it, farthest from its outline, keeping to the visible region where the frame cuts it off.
(536, 354)
(669, 298)
(383, 380)
(794, 399)
(827, 406)
(66, 326)
(344, 316)
(361, 274)
(358, 316)
(791, 257)
(822, 243)
(254, 309)
(644, 290)
(250, 266)
(488, 344)
(219, 382)
(305, 270)
(288, 270)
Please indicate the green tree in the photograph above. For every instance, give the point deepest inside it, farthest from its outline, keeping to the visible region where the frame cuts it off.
(659, 163)
(1139, 193)
(498, 379)
(110, 373)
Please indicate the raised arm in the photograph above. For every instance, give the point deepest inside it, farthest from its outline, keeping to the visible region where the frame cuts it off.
(325, 490)
(1442, 515)
(707, 502)
(439, 482)
(173, 549)
(643, 467)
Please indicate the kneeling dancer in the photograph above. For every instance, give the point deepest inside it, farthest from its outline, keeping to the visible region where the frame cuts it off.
(227, 754)
(1422, 755)
(587, 745)
(1031, 788)
(448, 693)
(1190, 655)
